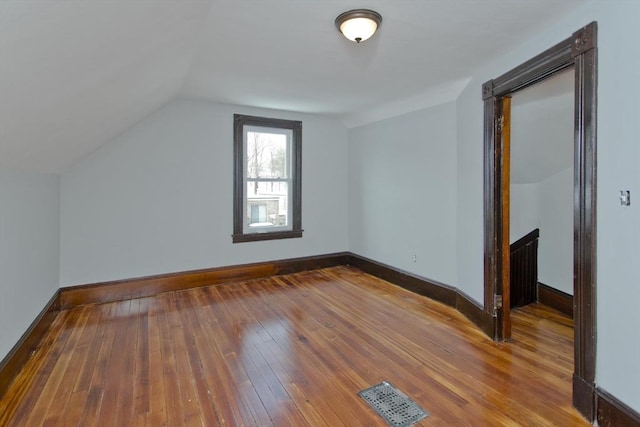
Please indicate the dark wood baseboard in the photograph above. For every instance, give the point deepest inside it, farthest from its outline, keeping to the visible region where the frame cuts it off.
(419, 285)
(440, 292)
(612, 412)
(12, 363)
(475, 312)
(584, 397)
(556, 299)
(120, 290)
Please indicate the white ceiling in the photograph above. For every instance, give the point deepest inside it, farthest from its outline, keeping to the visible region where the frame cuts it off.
(76, 73)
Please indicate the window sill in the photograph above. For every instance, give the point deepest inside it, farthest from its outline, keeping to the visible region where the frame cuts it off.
(274, 235)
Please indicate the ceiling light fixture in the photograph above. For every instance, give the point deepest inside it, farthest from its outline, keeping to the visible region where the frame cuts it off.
(359, 24)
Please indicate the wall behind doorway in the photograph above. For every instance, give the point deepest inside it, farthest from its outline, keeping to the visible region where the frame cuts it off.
(542, 175)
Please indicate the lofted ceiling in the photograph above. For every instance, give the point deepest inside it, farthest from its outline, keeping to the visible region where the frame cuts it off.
(74, 74)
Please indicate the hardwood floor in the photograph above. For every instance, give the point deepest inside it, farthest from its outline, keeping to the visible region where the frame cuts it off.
(291, 351)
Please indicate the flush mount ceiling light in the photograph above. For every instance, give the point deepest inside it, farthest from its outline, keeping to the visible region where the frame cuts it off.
(359, 24)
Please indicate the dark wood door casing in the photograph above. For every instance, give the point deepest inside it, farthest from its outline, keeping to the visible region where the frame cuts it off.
(578, 51)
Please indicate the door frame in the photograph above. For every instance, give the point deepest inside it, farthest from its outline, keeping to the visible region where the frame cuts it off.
(578, 51)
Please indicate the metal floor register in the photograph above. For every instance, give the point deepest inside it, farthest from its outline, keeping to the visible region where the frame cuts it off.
(392, 405)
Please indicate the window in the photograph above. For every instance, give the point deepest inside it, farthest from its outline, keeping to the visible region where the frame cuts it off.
(267, 187)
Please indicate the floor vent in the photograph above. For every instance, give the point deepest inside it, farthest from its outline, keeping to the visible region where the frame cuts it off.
(395, 407)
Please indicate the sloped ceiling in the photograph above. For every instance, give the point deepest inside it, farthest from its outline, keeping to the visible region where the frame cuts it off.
(75, 73)
(542, 129)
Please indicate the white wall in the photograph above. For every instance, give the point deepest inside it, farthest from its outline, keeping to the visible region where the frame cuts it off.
(618, 286)
(469, 213)
(542, 174)
(547, 205)
(29, 250)
(524, 216)
(402, 174)
(555, 247)
(158, 199)
(618, 228)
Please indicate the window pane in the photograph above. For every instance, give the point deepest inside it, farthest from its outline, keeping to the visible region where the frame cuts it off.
(266, 155)
(267, 185)
(267, 204)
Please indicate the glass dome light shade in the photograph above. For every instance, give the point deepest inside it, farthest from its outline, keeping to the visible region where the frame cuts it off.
(358, 25)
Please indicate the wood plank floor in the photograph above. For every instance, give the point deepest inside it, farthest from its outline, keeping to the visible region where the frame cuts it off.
(291, 351)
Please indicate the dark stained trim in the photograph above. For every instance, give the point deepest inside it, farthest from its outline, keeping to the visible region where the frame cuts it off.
(437, 291)
(414, 283)
(534, 70)
(276, 235)
(612, 412)
(584, 219)
(580, 51)
(120, 290)
(525, 240)
(584, 393)
(556, 299)
(474, 312)
(503, 315)
(239, 121)
(13, 362)
(584, 40)
(492, 209)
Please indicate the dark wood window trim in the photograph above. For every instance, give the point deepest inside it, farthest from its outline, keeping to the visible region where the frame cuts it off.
(580, 51)
(239, 122)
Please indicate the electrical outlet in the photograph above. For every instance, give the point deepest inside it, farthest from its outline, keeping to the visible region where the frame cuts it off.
(413, 258)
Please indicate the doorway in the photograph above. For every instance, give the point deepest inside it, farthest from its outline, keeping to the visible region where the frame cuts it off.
(541, 193)
(577, 51)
